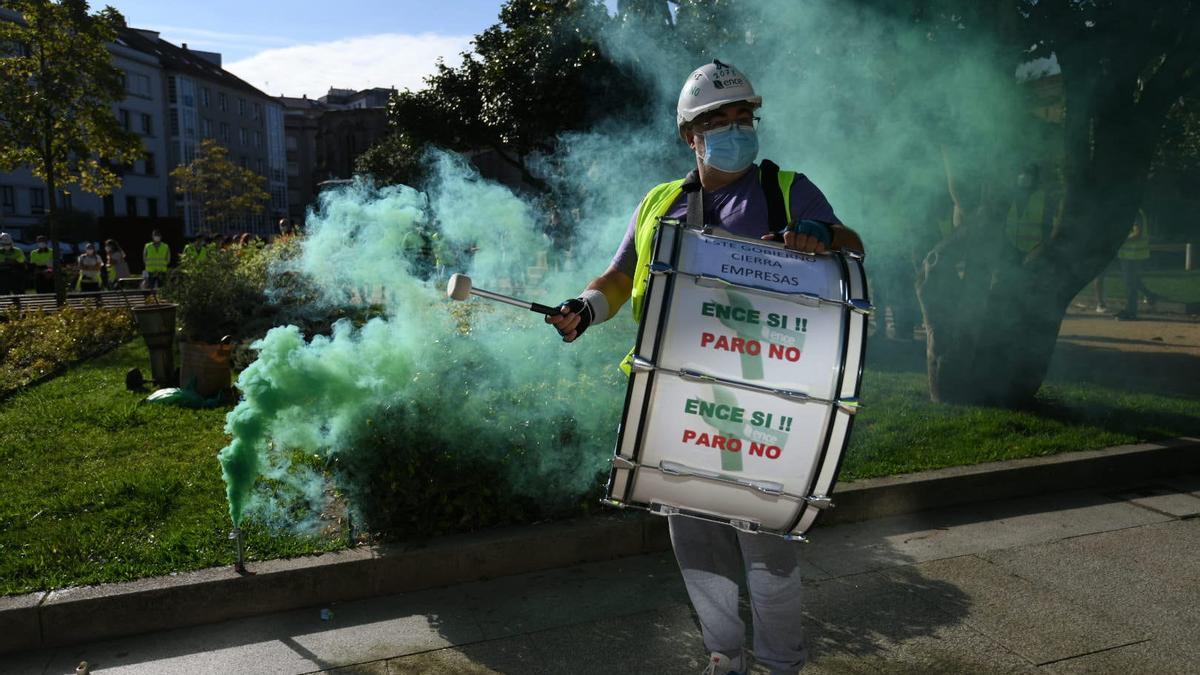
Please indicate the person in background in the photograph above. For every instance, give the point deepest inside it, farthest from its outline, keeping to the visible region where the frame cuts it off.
(196, 250)
(90, 270)
(42, 261)
(1133, 255)
(12, 266)
(157, 257)
(118, 267)
(1029, 216)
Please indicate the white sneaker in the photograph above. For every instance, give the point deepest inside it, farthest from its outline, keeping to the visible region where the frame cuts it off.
(719, 664)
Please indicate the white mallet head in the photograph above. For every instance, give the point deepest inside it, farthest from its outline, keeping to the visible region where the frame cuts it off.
(459, 287)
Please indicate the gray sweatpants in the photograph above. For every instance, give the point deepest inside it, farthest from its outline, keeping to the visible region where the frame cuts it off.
(712, 557)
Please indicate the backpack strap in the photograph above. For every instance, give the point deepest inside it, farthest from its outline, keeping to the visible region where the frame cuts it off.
(695, 199)
(768, 178)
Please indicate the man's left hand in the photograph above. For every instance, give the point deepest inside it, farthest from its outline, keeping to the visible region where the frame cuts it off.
(806, 236)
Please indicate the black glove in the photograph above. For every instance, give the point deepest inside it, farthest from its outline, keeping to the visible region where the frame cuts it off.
(812, 228)
(583, 309)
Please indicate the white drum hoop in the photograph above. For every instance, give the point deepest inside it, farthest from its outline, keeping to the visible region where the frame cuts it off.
(854, 303)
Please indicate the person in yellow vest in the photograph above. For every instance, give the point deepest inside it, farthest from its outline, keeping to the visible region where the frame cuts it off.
(197, 249)
(42, 261)
(157, 257)
(12, 266)
(715, 116)
(1133, 255)
(1029, 216)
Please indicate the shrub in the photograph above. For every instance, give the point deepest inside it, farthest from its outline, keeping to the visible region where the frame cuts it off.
(36, 344)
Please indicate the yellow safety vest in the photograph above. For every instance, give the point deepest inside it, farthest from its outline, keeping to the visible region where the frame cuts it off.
(41, 258)
(156, 257)
(1024, 226)
(655, 205)
(1138, 248)
(12, 256)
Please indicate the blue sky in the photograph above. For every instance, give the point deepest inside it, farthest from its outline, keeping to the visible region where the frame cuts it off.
(304, 46)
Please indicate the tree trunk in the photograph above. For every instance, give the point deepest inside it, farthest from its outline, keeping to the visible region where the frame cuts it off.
(992, 316)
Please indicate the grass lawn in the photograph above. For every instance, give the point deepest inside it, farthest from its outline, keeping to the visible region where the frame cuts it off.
(100, 487)
(1171, 285)
(103, 488)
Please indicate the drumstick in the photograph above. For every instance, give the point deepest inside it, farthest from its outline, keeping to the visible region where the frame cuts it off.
(460, 287)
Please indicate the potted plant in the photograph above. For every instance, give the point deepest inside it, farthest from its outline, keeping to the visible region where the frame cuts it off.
(218, 296)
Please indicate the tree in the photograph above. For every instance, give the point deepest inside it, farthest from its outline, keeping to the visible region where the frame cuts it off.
(537, 73)
(394, 160)
(57, 87)
(222, 190)
(993, 322)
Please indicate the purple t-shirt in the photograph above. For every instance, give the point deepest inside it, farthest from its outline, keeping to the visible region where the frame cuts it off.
(740, 207)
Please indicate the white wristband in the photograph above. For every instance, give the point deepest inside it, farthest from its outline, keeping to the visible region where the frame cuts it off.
(599, 304)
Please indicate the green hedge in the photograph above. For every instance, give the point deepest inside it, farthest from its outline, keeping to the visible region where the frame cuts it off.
(34, 345)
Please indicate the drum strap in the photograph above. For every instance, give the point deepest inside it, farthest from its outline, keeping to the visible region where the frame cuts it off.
(768, 178)
(695, 199)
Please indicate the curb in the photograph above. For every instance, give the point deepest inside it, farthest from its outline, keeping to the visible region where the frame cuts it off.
(85, 614)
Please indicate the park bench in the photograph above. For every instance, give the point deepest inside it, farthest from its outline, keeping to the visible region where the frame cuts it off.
(33, 302)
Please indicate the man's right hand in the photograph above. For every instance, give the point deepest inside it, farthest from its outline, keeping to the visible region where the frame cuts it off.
(574, 316)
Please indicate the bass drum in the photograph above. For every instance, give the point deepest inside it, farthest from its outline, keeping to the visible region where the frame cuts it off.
(745, 382)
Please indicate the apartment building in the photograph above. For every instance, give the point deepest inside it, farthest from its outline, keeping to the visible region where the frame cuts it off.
(203, 100)
(325, 136)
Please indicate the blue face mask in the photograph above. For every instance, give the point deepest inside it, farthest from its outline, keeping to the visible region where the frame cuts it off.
(730, 149)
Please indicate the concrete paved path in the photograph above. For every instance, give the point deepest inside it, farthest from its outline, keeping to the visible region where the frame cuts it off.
(1096, 582)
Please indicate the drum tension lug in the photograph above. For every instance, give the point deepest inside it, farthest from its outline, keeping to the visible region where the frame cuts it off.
(622, 463)
(820, 502)
(664, 509)
(744, 526)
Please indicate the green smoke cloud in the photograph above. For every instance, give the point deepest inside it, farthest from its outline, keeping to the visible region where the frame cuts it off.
(851, 98)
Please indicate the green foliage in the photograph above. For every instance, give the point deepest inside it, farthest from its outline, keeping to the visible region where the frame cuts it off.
(222, 190)
(36, 344)
(221, 294)
(395, 160)
(56, 96)
(538, 73)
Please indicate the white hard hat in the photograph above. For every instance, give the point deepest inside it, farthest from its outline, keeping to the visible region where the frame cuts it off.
(5, 238)
(711, 86)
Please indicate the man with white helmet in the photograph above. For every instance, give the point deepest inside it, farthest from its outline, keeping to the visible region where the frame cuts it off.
(12, 266)
(716, 118)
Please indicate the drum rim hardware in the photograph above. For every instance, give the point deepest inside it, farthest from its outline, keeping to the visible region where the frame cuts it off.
(805, 298)
(850, 405)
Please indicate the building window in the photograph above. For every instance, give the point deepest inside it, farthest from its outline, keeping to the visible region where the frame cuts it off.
(137, 84)
(244, 162)
(152, 207)
(242, 136)
(258, 165)
(206, 127)
(204, 96)
(171, 84)
(147, 124)
(174, 113)
(257, 138)
(241, 107)
(123, 117)
(257, 111)
(293, 169)
(224, 132)
(222, 102)
(292, 144)
(131, 205)
(8, 200)
(109, 209)
(37, 200)
(151, 169)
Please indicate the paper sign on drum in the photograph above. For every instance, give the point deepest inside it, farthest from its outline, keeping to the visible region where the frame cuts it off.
(736, 437)
(764, 339)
